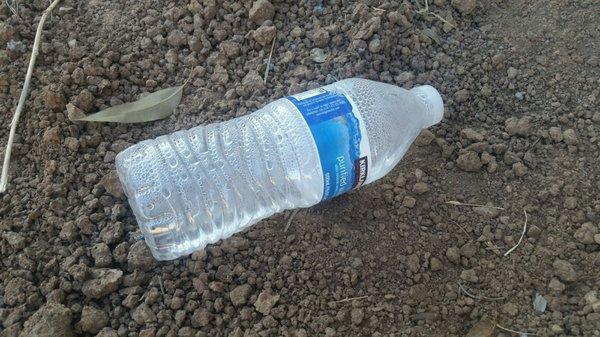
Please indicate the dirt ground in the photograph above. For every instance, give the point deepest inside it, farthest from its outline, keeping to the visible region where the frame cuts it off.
(520, 80)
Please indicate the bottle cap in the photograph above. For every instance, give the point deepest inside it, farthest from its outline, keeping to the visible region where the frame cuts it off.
(433, 101)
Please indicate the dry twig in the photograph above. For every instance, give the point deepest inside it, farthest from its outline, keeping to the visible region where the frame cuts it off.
(15, 120)
(269, 60)
(464, 290)
(289, 222)
(14, 8)
(522, 235)
(458, 203)
(520, 333)
(351, 299)
(425, 11)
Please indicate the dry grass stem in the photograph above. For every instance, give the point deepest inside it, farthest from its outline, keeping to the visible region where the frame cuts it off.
(520, 333)
(458, 203)
(425, 11)
(14, 8)
(269, 60)
(466, 292)
(289, 222)
(522, 235)
(24, 92)
(351, 299)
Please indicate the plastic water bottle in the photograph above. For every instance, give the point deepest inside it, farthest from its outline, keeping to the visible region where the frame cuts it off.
(195, 187)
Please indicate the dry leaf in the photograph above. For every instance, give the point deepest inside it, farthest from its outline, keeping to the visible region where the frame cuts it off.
(157, 105)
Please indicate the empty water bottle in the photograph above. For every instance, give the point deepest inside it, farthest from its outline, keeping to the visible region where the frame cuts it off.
(195, 187)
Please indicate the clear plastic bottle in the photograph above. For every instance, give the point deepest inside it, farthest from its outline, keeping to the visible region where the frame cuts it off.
(195, 187)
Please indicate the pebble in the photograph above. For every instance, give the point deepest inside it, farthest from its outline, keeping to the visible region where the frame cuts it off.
(469, 161)
(53, 99)
(143, 314)
(51, 320)
(104, 281)
(201, 317)
(471, 135)
(240, 294)
(555, 134)
(518, 126)
(512, 72)
(357, 315)
(261, 11)
(487, 212)
(265, 302)
(564, 270)
(519, 169)
(421, 188)
(409, 202)
(464, 6)
(484, 328)
(586, 233)
(570, 137)
(461, 95)
(140, 257)
(112, 185)
(264, 35)
(319, 36)
(435, 264)
(92, 319)
(453, 254)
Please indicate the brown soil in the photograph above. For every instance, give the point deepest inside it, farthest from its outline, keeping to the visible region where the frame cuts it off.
(520, 81)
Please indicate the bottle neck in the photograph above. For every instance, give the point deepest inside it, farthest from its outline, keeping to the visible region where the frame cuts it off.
(432, 100)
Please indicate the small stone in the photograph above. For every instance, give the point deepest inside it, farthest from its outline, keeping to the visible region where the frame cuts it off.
(409, 202)
(53, 99)
(484, 328)
(265, 302)
(368, 28)
(72, 144)
(469, 161)
(51, 136)
(570, 203)
(319, 36)
(570, 137)
(412, 262)
(520, 169)
(469, 275)
(143, 314)
(487, 212)
(102, 255)
(357, 315)
(453, 254)
(240, 294)
(104, 281)
(512, 72)
(15, 240)
(140, 257)
(585, 234)
(425, 138)
(107, 332)
(555, 134)
(92, 319)
(510, 309)
(461, 95)
(51, 320)
(261, 11)
(471, 135)
(556, 286)
(420, 188)
(112, 185)
(264, 34)
(518, 126)
(201, 317)
(220, 75)
(435, 264)
(375, 46)
(177, 38)
(564, 270)
(405, 76)
(85, 100)
(498, 60)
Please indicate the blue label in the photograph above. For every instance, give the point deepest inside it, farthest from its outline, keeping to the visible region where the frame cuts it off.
(337, 134)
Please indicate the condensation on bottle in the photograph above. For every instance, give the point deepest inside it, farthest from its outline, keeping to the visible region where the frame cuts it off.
(195, 187)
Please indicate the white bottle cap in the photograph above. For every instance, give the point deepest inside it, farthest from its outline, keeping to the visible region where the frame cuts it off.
(433, 101)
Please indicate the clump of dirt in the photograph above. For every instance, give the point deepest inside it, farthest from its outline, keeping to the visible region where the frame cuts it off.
(521, 133)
